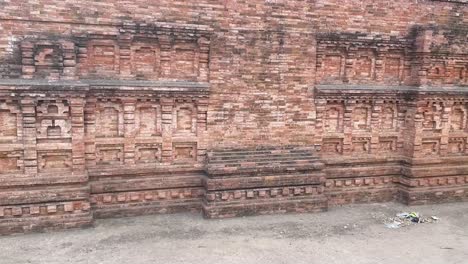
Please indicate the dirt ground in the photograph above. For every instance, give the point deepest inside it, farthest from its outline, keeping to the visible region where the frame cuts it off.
(349, 234)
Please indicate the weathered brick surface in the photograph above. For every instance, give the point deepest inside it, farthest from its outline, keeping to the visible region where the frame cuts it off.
(109, 108)
(263, 180)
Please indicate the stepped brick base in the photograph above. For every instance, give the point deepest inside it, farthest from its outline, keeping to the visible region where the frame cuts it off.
(122, 193)
(26, 206)
(263, 180)
(234, 182)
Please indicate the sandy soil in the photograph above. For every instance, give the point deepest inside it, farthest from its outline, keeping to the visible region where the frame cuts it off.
(349, 234)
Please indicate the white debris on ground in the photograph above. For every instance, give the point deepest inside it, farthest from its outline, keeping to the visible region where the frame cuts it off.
(406, 219)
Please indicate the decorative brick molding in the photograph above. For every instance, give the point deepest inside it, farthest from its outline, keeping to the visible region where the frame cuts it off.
(137, 51)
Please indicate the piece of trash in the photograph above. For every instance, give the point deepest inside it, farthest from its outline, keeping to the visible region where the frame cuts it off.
(393, 225)
(406, 219)
(414, 215)
(402, 215)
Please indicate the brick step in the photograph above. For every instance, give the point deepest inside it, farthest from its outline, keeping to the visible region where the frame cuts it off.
(258, 181)
(132, 172)
(259, 152)
(43, 223)
(262, 169)
(145, 183)
(239, 154)
(228, 158)
(264, 158)
(125, 210)
(266, 206)
(165, 176)
(264, 162)
(43, 195)
(259, 148)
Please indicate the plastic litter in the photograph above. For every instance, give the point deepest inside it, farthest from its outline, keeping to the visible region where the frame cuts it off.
(393, 225)
(402, 215)
(406, 219)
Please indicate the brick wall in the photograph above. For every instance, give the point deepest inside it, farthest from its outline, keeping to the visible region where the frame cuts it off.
(267, 46)
(123, 100)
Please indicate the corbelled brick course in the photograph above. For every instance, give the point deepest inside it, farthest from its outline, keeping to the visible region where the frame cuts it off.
(234, 108)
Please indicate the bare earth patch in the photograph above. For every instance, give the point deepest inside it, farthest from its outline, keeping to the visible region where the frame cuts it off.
(349, 234)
